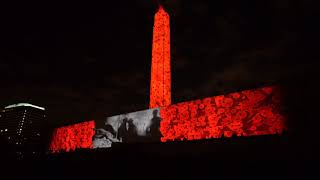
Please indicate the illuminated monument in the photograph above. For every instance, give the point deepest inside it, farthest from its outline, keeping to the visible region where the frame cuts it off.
(245, 113)
(160, 87)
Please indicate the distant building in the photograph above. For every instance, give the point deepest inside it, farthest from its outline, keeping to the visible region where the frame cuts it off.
(22, 125)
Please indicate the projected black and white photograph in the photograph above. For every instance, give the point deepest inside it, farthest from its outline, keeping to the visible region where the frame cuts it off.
(140, 126)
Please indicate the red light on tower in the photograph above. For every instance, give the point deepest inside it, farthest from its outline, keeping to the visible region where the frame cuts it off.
(160, 88)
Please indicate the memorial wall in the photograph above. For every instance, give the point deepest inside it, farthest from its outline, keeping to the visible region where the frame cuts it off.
(244, 113)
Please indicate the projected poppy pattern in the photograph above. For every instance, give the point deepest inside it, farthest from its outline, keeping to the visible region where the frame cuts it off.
(70, 138)
(160, 89)
(245, 113)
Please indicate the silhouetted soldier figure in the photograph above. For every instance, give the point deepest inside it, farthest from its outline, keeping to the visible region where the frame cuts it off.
(154, 129)
(122, 131)
(132, 131)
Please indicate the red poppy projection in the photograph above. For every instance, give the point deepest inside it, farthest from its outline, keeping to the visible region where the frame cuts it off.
(70, 138)
(245, 113)
(160, 89)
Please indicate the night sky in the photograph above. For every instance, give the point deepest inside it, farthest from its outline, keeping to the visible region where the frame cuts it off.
(90, 61)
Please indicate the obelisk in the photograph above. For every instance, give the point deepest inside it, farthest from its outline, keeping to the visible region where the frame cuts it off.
(160, 87)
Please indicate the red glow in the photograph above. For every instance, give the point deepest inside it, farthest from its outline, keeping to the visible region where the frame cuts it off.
(245, 113)
(72, 137)
(160, 89)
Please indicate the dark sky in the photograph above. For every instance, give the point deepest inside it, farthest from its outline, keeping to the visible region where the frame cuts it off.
(89, 61)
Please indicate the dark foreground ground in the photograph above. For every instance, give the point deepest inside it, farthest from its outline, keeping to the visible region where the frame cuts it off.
(260, 157)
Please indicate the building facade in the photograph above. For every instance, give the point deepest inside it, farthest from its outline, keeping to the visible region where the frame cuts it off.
(22, 126)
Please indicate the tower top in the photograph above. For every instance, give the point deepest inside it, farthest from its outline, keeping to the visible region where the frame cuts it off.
(161, 9)
(161, 12)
